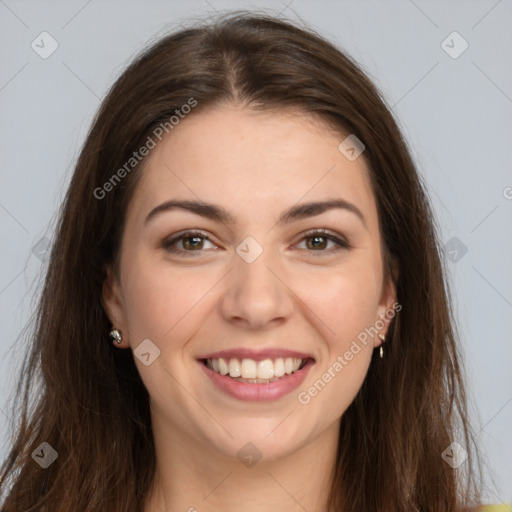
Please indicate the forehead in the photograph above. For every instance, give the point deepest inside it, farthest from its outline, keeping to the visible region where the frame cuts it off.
(248, 161)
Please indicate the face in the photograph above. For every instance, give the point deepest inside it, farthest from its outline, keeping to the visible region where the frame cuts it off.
(271, 287)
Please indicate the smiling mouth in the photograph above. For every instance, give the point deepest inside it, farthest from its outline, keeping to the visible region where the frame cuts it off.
(251, 371)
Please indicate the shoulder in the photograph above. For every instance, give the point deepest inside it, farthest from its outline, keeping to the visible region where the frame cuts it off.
(497, 508)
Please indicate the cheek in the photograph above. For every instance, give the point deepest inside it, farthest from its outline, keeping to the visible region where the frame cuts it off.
(346, 307)
(159, 302)
(165, 307)
(345, 302)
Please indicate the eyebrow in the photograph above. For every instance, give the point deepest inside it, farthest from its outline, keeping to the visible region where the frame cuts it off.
(219, 214)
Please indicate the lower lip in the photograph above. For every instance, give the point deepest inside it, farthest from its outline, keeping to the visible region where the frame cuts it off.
(258, 392)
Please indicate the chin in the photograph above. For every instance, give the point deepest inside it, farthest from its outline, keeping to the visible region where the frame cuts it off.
(262, 438)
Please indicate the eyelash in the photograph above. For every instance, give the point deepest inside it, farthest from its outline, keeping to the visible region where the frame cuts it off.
(169, 244)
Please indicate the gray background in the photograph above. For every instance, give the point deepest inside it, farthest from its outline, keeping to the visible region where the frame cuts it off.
(455, 112)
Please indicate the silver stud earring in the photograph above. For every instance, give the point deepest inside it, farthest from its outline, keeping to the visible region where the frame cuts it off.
(382, 337)
(116, 336)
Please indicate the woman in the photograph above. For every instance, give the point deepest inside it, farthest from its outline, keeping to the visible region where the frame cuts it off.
(246, 223)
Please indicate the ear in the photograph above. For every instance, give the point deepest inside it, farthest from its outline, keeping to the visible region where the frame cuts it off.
(112, 302)
(388, 305)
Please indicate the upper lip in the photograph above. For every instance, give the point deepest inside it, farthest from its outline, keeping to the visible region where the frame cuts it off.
(257, 355)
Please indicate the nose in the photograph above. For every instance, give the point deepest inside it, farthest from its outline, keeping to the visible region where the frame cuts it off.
(257, 295)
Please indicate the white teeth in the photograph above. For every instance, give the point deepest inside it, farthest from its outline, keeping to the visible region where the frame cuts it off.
(255, 371)
(248, 369)
(223, 367)
(279, 367)
(265, 369)
(235, 369)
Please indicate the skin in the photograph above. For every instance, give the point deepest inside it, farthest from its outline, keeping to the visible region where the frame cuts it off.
(293, 296)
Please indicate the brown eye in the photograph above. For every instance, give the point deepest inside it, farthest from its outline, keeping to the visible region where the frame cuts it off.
(318, 241)
(186, 243)
(192, 242)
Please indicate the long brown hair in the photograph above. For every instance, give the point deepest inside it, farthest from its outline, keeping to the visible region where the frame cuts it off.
(85, 398)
